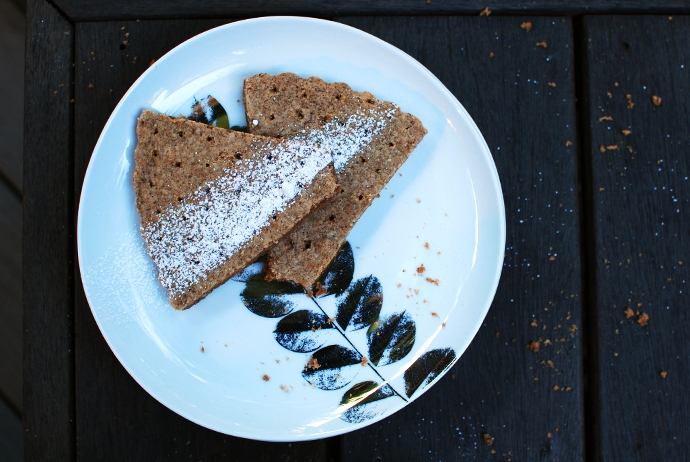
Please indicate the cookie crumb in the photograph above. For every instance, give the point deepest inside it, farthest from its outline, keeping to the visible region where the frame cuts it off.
(568, 143)
(485, 12)
(626, 132)
(603, 118)
(313, 364)
(421, 269)
(534, 346)
(552, 84)
(364, 361)
(203, 349)
(488, 439)
(432, 281)
(526, 26)
(602, 148)
(642, 319)
(542, 44)
(435, 314)
(656, 100)
(629, 313)
(663, 374)
(631, 105)
(266, 378)
(426, 245)
(491, 54)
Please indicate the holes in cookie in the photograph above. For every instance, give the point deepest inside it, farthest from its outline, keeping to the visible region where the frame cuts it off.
(361, 197)
(274, 89)
(207, 164)
(331, 218)
(155, 153)
(238, 155)
(151, 183)
(304, 95)
(155, 131)
(362, 159)
(178, 164)
(210, 138)
(370, 101)
(181, 133)
(179, 199)
(378, 170)
(307, 245)
(275, 217)
(272, 117)
(392, 145)
(338, 97)
(300, 114)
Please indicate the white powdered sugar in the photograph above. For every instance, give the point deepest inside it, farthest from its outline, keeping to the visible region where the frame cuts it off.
(209, 225)
(345, 138)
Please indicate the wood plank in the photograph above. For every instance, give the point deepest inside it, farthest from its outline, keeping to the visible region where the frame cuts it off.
(640, 221)
(116, 418)
(93, 10)
(11, 93)
(10, 434)
(48, 236)
(11, 290)
(527, 403)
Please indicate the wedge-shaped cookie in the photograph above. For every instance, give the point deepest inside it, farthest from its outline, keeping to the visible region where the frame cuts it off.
(369, 139)
(213, 200)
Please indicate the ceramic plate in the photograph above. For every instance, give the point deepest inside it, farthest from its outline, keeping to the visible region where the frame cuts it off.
(421, 265)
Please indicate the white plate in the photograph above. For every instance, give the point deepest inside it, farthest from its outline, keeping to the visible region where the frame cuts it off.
(444, 210)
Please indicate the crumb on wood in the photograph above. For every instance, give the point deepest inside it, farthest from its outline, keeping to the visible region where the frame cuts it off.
(642, 319)
(602, 148)
(90, 85)
(485, 12)
(629, 313)
(556, 388)
(491, 54)
(421, 269)
(631, 105)
(656, 100)
(432, 281)
(552, 84)
(534, 323)
(542, 44)
(630, 149)
(534, 346)
(663, 374)
(552, 258)
(527, 26)
(487, 439)
(568, 143)
(626, 132)
(603, 118)
(266, 378)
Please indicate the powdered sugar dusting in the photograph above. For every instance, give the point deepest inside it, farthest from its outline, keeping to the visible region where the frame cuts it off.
(209, 225)
(345, 138)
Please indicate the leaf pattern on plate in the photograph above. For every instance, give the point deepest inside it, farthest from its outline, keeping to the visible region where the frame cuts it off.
(391, 339)
(363, 401)
(361, 304)
(426, 368)
(209, 111)
(303, 331)
(332, 367)
(337, 277)
(266, 298)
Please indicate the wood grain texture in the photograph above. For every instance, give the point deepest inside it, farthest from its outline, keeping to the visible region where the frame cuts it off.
(641, 203)
(527, 403)
(91, 10)
(116, 419)
(10, 434)
(48, 236)
(11, 290)
(11, 93)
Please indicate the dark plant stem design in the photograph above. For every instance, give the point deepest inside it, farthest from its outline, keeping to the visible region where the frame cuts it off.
(339, 329)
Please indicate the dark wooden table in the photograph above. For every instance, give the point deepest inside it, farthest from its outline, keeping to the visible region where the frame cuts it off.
(585, 351)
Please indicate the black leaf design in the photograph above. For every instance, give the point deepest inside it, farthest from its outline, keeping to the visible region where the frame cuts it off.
(332, 367)
(209, 111)
(361, 305)
(267, 298)
(362, 400)
(427, 368)
(337, 277)
(392, 339)
(303, 331)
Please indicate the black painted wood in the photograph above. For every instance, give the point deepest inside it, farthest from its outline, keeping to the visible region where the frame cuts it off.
(640, 191)
(90, 10)
(528, 403)
(11, 290)
(10, 434)
(48, 237)
(116, 419)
